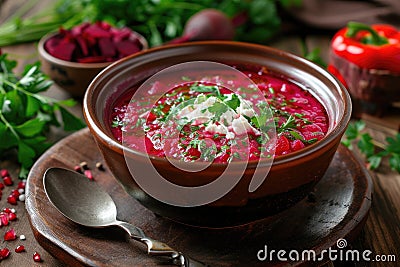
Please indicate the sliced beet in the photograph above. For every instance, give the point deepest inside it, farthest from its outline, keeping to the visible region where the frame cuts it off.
(93, 43)
(134, 38)
(90, 40)
(120, 34)
(107, 47)
(126, 47)
(52, 44)
(79, 29)
(83, 45)
(95, 31)
(104, 25)
(64, 50)
(66, 34)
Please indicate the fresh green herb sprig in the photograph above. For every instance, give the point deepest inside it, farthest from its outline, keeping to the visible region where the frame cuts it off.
(374, 152)
(313, 55)
(26, 115)
(290, 123)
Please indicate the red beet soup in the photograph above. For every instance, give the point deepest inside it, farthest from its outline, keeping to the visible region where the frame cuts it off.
(218, 125)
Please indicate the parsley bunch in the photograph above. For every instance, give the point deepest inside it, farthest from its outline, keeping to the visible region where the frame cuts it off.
(367, 146)
(26, 115)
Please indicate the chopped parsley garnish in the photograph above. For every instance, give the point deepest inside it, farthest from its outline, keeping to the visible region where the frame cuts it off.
(140, 122)
(259, 120)
(234, 102)
(117, 122)
(236, 155)
(218, 108)
(208, 153)
(202, 88)
(301, 117)
(271, 90)
(290, 123)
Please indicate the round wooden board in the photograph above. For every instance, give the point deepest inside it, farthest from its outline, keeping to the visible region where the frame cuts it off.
(339, 209)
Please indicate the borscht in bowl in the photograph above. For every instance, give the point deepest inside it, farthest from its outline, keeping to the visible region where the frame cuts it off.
(206, 148)
(205, 109)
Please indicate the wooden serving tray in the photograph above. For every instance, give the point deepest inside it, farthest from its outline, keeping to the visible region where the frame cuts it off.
(337, 209)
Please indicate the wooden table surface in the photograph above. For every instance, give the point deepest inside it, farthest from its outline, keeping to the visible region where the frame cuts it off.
(381, 233)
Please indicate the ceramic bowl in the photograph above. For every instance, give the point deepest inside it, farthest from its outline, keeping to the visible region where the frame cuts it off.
(291, 177)
(72, 77)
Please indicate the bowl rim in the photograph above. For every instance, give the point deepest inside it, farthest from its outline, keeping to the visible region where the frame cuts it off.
(339, 128)
(47, 56)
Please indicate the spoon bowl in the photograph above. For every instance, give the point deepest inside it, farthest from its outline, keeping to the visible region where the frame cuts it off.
(86, 203)
(80, 200)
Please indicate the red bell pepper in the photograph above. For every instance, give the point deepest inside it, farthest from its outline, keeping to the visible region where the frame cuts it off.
(366, 59)
(369, 47)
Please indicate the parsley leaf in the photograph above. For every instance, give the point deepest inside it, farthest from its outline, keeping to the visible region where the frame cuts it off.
(71, 123)
(234, 102)
(367, 146)
(353, 129)
(374, 161)
(31, 127)
(393, 144)
(259, 120)
(394, 162)
(393, 149)
(202, 88)
(26, 154)
(26, 116)
(218, 108)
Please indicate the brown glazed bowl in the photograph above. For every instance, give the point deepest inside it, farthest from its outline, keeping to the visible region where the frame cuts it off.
(72, 77)
(291, 177)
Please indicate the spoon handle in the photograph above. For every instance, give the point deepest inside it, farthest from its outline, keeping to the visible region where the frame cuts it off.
(159, 248)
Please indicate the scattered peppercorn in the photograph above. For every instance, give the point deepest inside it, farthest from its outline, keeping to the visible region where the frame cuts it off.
(84, 165)
(100, 166)
(21, 197)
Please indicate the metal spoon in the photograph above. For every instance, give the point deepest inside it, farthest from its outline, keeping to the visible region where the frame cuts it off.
(86, 203)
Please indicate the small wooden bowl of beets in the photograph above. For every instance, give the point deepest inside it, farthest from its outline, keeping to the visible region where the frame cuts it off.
(295, 169)
(72, 58)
